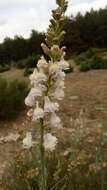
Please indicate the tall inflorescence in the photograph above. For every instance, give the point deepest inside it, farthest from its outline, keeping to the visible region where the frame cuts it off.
(47, 87)
(47, 80)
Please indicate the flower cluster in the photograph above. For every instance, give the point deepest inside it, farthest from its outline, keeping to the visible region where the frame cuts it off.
(47, 86)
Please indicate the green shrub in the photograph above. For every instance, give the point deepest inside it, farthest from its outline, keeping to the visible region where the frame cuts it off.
(32, 61)
(21, 64)
(4, 68)
(94, 63)
(98, 50)
(105, 64)
(12, 97)
(67, 57)
(29, 62)
(36, 59)
(92, 59)
(98, 63)
(90, 53)
(27, 72)
(85, 67)
(80, 58)
(94, 51)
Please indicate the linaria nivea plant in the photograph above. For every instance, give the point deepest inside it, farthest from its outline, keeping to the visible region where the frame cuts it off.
(47, 86)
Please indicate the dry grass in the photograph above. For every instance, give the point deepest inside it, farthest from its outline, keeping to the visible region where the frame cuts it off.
(14, 74)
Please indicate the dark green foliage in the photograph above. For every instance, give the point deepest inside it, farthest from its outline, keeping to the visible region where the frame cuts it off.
(90, 53)
(85, 31)
(36, 58)
(85, 67)
(21, 64)
(34, 43)
(94, 58)
(29, 62)
(32, 61)
(4, 68)
(27, 72)
(80, 59)
(12, 97)
(67, 57)
(19, 48)
(98, 50)
(98, 63)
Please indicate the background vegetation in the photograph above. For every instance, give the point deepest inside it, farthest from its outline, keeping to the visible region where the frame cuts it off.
(12, 97)
(77, 39)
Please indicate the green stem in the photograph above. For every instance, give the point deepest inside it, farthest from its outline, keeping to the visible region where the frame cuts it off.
(43, 173)
(42, 150)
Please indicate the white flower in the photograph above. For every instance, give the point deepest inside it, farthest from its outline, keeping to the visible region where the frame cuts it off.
(50, 106)
(59, 84)
(35, 92)
(59, 94)
(30, 101)
(60, 75)
(50, 142)
(37, 76)
(42, 63)
(63, 64)
(55, 121)
(40, 86)
(27, 141)
(38, 113)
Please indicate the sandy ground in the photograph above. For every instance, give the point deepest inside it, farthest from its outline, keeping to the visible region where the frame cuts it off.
(86, 91)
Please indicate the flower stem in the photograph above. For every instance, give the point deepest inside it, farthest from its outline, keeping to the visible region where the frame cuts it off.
(43, 173)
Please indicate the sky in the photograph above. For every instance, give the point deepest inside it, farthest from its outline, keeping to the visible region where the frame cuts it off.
(19, 17)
